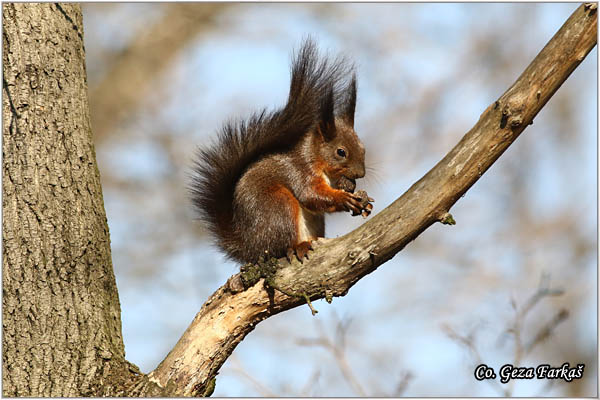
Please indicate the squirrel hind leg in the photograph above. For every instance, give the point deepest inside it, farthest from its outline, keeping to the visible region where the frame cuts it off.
(265, 216)
(299, 250)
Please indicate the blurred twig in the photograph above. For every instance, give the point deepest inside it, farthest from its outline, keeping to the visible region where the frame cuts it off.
(516, 329)
(310, 383)
(469, 342)
(240, 370)
(403, 383)
(135, 72)
(546, 331)
(337, 347)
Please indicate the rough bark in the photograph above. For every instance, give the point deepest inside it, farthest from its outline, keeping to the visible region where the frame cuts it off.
(61, 313)
(336, 265)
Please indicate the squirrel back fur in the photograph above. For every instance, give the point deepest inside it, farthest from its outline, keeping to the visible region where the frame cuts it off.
(319, 88)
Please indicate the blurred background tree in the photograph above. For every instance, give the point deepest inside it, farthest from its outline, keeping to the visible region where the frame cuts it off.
(513, 281)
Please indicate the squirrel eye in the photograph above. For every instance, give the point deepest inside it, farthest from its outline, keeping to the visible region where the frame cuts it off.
(341, 152)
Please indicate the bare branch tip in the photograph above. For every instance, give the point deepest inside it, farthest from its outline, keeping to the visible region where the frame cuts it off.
(447, 219)
(312, 309)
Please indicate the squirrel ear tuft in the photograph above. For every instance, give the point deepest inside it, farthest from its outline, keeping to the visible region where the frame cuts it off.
(327, 117)
(350, 102)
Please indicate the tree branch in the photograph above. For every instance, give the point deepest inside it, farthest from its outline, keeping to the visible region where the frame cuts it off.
(336, 265)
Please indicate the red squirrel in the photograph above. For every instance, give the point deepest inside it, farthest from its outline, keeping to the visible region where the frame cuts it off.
(266, 183)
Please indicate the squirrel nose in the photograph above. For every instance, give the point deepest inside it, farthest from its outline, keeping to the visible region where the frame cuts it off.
(360, 172)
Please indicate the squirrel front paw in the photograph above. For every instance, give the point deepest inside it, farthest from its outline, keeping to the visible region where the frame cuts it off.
(365, 203)
(358, 203)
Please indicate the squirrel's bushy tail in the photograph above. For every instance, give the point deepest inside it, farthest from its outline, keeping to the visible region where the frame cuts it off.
(219, 166)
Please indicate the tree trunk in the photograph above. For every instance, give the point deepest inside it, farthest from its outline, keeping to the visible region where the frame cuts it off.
(61, 312)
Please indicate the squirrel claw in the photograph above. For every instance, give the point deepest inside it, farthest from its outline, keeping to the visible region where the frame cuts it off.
(300, 251)
(353, 203)
(361, 204)
(289, 254)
